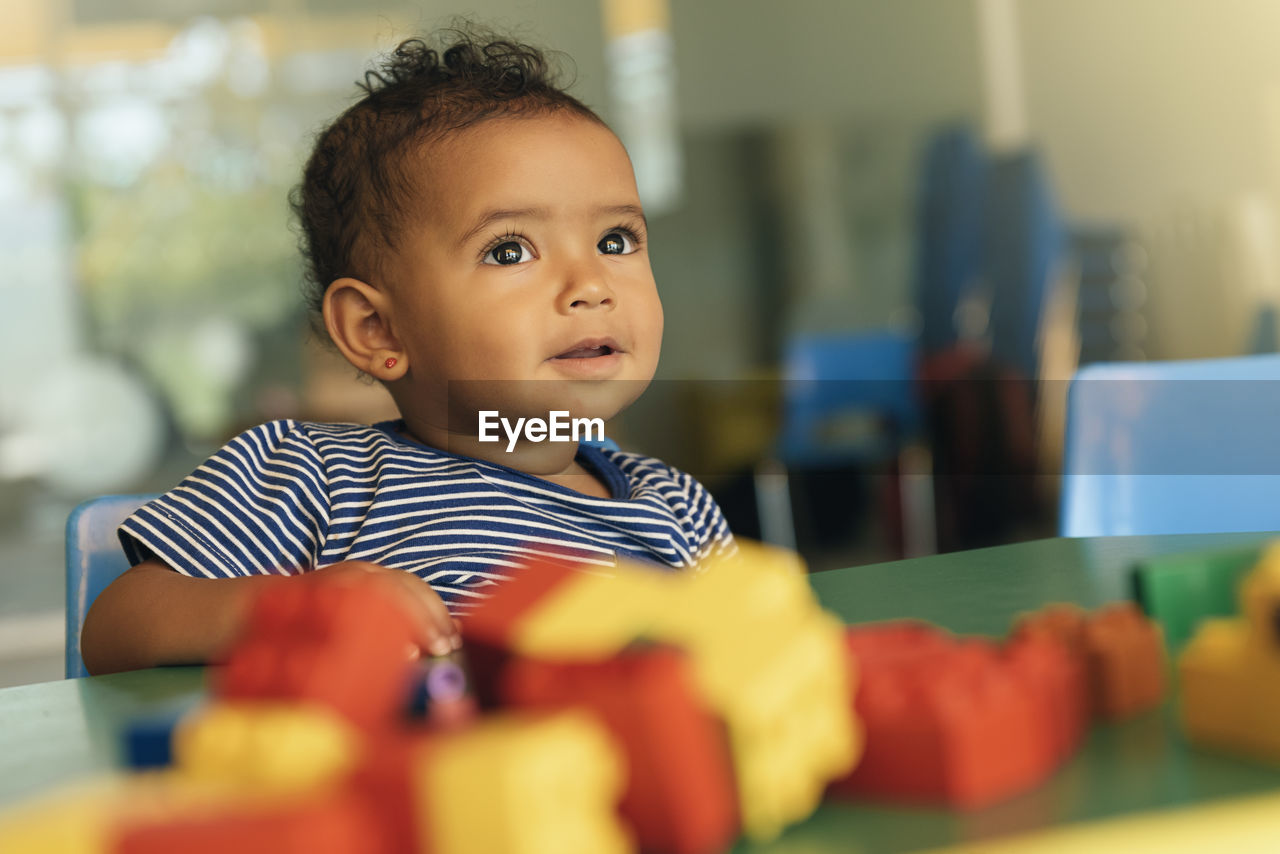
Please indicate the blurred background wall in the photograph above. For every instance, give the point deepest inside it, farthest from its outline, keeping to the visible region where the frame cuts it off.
(789, 154)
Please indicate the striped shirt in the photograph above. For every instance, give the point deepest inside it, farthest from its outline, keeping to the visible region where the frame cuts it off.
(289, 496)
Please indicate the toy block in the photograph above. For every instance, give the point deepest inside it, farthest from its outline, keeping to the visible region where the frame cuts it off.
(83, 818)
(332, 824)
(524, 784)
(1178, 591)
(1126, 662)
(338, 644)
(791, 726)
(757, 590)
(1229, 673)
(1122, 651)
(1059, 680)
(680, 796)
(947, 722)
(385, 779)
(1259, 595)
(265, 746)
(557, 609)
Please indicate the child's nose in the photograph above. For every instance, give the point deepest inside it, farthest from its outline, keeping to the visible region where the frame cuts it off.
(586, 290)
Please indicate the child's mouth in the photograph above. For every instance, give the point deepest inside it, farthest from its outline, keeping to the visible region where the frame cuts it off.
(589, 348)
(587, 352)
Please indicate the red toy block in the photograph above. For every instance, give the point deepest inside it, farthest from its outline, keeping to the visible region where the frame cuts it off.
(1121, 650)
(331, 824)
(947, 721)
(1058, 679)
(1126, 660)
(681, 796)
(538, 578)
(386, 780)
(342, 645)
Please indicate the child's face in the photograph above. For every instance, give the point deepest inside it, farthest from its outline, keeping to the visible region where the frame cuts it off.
(530, 266)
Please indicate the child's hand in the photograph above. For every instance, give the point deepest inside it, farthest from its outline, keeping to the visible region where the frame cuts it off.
(436, 631)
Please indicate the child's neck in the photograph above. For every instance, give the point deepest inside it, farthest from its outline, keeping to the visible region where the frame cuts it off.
(552, 461)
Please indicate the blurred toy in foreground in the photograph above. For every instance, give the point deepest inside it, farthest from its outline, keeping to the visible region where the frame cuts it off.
(706, 704)
(1229, 672)
(742, 649)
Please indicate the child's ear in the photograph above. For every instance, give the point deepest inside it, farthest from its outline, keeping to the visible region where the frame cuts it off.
(358, 318)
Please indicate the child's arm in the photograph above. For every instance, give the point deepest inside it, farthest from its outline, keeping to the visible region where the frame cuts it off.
(153, 615)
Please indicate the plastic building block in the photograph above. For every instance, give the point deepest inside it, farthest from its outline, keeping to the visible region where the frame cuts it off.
(332, 824)
(766, 659)
(1230, 672)
(1060, 680)
(680, 796)
(948, 722)
(341, 645)
(557, 609)
(265, 746)
(525, 784)
(1178, 591)
(772, 663)
(1126, 662)
(1122, 650)
(85, 817)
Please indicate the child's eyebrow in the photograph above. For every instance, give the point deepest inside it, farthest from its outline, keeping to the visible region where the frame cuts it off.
(489, 217)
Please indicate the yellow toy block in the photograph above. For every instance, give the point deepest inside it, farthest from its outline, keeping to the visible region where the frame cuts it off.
(758, 587)
(82, 819)
(773, 665)
(1229, 672)
(265, 745)
(1260, 598)
(790, 722)
(523, 784)
(597, 615)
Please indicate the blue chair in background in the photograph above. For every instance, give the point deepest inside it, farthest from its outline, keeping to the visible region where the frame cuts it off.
(1173, 448)
(949, 223)
(94, 560)
(847, 399)
(1024, 241)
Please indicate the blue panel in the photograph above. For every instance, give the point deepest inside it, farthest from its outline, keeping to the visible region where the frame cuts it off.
(1173, 447)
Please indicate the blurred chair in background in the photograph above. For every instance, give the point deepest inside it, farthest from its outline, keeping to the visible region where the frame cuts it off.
(1173, 448)
(94, 559)
(848, 400)
(1023, 246)
(949, 233)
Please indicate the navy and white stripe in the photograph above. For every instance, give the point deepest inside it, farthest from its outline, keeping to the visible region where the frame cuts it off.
(289, 496)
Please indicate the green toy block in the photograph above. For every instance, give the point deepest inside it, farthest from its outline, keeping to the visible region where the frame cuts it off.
(1178, 591)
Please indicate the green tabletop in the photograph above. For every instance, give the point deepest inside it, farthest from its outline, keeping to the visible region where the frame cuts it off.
(61, 731)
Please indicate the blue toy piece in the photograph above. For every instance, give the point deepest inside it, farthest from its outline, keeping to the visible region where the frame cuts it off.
(94, 560)
(1173, 448)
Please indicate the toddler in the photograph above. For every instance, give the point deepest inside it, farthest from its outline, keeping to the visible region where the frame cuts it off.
(474, 241)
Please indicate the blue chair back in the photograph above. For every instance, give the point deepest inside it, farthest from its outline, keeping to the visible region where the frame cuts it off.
(1024, 241)
(835, 384)
(949, 222)
(1173, 448)
(94, 559)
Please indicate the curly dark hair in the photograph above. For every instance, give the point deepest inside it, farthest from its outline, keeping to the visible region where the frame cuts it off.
(356, 194)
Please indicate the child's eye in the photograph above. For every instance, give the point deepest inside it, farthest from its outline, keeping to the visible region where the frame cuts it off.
(507, 253)
(616, 243)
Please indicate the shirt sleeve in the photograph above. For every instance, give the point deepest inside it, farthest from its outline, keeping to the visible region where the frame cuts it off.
(258, 506)
(714, 537)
